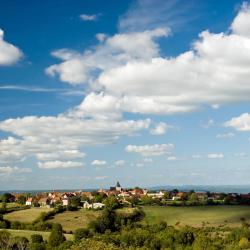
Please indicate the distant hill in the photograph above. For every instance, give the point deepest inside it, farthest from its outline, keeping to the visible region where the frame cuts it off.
(244, 189)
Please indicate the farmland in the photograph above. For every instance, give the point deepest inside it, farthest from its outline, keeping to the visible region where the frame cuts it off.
(196, 215)
(71, 220)
(27, 215)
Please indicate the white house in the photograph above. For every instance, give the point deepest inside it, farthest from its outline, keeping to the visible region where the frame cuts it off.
(29, 202)
(65, 201)
(96, 205)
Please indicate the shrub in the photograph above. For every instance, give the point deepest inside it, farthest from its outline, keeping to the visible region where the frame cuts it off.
(3, 225)
(18, 242)
(36, 238)
(37, 246)
(81, 233)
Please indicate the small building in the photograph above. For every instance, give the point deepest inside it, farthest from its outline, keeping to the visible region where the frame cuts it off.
(96, 205)
(29, 202)
(65, 201)
(117, 188)
(137, 192)
(176, 198)
(44, 202)
(156, 195)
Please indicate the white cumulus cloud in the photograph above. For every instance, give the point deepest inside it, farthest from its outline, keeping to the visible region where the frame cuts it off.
(98, 162)
(59, 164)
(160, 129)
(213, 72)
(9, 54)
(150, 150)
(240, 123)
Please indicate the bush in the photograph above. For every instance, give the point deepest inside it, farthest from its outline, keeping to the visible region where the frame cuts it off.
(66, 245)
(4, 239)
(3, 225)
(36, 238)
(18, 242)
(15, 225)
(37, 246)
(81, 233)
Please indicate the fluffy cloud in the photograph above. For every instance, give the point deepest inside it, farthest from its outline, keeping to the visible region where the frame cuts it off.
(59, 164)
(150, 150)
(98, 162)
(61, 137)
(10, 156)
(241, 22)
(159, 129)
(76, 68)
(215, 156)
(9, 54)
(13, 170)
(66, 154)
(85, 17)
(215, 71)
(240, 123)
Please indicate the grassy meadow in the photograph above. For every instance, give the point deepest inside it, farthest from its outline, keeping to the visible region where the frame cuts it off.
(27, 215)
(71, 220)
(197, 215)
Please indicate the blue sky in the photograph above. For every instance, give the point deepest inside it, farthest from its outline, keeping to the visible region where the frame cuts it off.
(144, 92)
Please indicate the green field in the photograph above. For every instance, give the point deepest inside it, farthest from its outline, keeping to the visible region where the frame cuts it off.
(195, 216)
(71, 220)
(28, 233)
(27, 215)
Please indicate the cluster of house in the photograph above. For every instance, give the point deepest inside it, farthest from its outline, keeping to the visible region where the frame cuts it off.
(53, 198)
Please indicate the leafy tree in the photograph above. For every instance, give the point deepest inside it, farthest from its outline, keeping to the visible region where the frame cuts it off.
(112, 203)
(193, 198)
(56, 237)
(95, 245)
(4, 207)
(21, 199)
(147, 200)
(75, 201)
(84, 197)
(166, 195)
(6, 197)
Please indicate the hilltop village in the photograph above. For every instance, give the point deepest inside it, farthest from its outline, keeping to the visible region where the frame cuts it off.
(125, 197)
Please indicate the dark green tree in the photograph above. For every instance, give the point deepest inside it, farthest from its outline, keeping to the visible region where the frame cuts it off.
(56, 237)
